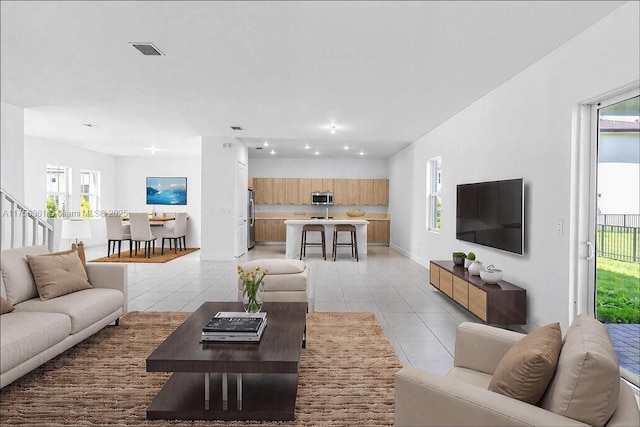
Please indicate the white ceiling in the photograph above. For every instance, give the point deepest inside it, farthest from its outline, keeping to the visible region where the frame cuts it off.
(385, 73)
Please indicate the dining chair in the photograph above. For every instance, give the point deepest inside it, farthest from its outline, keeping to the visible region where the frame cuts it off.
(141, 232)
(116, 234)
(178, 234)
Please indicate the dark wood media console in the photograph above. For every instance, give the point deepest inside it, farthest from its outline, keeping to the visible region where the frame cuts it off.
(501, 304)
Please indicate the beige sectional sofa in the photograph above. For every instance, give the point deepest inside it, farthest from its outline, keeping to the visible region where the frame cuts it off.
(36, 330)
(584, 387)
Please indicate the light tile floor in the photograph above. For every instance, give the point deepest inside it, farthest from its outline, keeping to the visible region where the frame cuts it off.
(419, 322)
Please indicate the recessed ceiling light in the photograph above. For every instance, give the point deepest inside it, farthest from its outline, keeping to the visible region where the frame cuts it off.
(332, 129)
(346, 147)
(361, 153)
(235, 127)
(266, 144)
(306, 147)
(316, 153)
(272, 151)
(147, 49)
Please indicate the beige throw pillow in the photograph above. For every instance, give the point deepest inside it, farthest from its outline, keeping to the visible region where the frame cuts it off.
(5, 306)
(57, 275)
(527, 368)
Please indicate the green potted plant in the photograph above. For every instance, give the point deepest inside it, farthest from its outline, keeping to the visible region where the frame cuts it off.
(469, 259)
(458, 258)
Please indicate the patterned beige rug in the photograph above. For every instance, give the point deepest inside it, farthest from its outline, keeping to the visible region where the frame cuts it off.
(346, 377)
(154, 258)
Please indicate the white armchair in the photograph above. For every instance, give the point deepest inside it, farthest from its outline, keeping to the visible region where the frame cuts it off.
(462, 398)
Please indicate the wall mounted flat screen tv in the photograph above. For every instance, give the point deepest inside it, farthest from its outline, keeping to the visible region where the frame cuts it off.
(165, 190)
(492, 214)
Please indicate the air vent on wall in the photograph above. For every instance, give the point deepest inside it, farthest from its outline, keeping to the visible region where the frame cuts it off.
(147, 49)
(235, 127)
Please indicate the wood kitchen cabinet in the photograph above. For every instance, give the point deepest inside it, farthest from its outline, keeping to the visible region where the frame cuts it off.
(261, 191)
(304, 191)
(339, 191)
(378, 231)
(279, 186)
(366, 192)
(297, 191)
(381, 192)
(292, 188)
(270, 230)
(353, 192)
(502, 304)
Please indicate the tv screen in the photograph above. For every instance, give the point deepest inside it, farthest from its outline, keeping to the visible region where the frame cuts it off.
(492, 214)
(166, 190)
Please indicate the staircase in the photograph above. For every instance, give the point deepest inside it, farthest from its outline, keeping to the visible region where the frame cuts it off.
(21, 226)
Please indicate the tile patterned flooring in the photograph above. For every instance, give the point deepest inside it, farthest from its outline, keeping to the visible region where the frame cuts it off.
(419, 321)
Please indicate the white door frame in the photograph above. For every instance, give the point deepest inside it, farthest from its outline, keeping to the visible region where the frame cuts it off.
(584, 161)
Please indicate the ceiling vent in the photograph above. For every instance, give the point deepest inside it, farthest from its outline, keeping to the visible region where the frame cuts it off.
(235, 127)
(147, 49)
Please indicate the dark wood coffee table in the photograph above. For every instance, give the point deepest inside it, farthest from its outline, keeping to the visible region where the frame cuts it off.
(262, 378)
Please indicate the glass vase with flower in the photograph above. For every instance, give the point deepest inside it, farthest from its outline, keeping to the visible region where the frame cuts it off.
(253, 288)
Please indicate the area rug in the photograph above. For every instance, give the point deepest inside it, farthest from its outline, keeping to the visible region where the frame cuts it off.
(155, 258)
(346, 377)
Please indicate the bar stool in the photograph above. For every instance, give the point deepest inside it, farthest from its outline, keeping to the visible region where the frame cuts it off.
(304, 243)
(354, 239)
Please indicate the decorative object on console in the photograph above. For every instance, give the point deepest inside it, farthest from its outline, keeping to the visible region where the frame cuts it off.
(475, 267)
(491, 275)
(253, 288)
(458, 258)
(469, 259)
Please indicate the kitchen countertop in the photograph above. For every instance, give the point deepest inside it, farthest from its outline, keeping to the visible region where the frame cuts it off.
(306, 216)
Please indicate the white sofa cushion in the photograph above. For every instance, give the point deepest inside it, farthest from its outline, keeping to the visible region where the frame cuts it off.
(83, 307)
(18, 280)
(276, 266)
(24, 335)
(586, 384)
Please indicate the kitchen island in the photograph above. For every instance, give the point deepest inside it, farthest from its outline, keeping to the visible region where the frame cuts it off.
(294, 235)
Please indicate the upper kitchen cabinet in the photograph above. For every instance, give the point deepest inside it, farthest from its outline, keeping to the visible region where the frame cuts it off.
(353, 192)
(292, 186)
(340, 191)
(250, 182)
(381, 192)
(279, 191)
(304, 191)
(366, 192)
(260, 188)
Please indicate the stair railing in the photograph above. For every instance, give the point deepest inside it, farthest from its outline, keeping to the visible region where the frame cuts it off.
(21, 226)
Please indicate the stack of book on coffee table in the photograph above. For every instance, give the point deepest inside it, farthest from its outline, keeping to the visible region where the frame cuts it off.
(235, 327)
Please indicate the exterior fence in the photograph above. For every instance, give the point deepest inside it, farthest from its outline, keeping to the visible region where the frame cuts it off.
(617, 237)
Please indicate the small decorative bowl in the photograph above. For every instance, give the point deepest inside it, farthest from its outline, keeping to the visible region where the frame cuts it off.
(491, 276)
(355, 213)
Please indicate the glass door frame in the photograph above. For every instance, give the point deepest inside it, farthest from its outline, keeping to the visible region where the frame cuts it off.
(593, 191)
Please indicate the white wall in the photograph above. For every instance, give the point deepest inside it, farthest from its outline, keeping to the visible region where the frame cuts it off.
(221, 197)
(131, 188)
(318, 168)
(12, 150)
(521, 129)
(39, 153)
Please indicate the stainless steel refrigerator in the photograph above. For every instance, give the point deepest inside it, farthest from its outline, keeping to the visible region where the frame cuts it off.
(251, 217)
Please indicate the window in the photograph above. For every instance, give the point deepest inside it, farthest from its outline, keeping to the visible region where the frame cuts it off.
(58, 179)
(89, 192)
(434, 186)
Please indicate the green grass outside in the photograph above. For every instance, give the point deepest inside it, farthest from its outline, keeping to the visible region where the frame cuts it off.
(618, 291)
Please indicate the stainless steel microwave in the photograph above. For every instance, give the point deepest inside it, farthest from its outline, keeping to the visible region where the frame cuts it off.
(322, 198)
